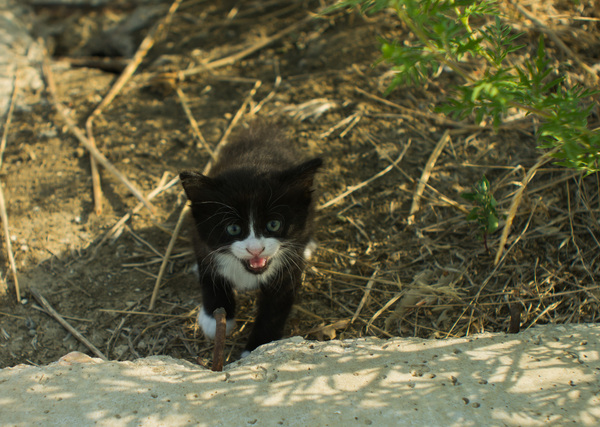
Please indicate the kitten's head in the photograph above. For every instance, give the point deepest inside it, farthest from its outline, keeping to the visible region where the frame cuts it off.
(253, 224)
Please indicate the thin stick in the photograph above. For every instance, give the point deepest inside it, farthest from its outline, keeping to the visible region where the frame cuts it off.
(146, 313)
(141, 53)
(118, 227)
(84, 141)
(365, 296)
(384, 308)
(354, 188)
(240, 112)
(9, 115)
(244, 52)
(425, 176)
(3, 213)
(542, 27)
(220, 317)
(165, 262)
(137, 59)
(193, 122)
(66, 324)
(11, 258)
(516, 200)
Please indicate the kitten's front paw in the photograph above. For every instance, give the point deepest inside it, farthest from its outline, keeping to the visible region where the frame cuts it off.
(309, 249)
(209, 324)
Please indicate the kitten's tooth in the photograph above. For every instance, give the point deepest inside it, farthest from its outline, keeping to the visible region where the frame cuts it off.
(258, 262)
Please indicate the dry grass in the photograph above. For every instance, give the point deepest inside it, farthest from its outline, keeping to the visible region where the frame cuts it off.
(396, 257)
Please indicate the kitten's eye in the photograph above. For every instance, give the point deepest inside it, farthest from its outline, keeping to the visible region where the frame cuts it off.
(234, 229)
(273, 225)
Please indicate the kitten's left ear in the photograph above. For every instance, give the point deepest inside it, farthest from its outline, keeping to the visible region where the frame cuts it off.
(304, 173)
(194, 184)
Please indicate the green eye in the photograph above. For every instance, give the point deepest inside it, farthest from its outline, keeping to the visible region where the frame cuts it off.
(234, 229)
(273, 226)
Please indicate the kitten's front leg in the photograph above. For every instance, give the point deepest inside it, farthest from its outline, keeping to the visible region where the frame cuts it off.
(215, 295)
(274, 306)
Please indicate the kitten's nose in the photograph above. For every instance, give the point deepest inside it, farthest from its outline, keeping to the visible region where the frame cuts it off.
(255, 251)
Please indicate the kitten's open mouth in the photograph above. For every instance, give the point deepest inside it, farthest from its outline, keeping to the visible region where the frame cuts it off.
(257, 265)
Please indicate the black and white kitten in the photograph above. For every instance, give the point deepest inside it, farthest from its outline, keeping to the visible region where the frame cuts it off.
(253, 217)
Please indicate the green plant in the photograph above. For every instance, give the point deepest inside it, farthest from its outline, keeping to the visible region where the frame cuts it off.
(445, 38)
(484, 211)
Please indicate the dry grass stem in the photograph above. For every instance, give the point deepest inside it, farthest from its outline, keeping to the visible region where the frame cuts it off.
(3, 213)
(66, 324)
(117, 229)
(167, 256)
(124, 77)
(193, 122)
(516, 200)
(147, 313)
(9, 115)
(11, 257)
(544, 28)
(365, 296)
(232, 59)
(425, 176)
(238, 115)
(356, 187)
(101, 158)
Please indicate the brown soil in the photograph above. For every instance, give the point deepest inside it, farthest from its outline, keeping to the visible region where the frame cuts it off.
(374, 274)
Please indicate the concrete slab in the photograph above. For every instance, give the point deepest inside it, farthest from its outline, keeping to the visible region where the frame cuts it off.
(549, 375)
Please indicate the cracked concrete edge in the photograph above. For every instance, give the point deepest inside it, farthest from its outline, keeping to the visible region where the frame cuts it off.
(546, 375)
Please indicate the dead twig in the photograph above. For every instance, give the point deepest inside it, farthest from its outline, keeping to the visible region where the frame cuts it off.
(101, 158)
(141, 53)
(512, 211)
(354, 188)
(365, 296)
(425, 176)
(167, 256)
(11, 257)
(544, 28)
(228, 60)
(9, 115)
(193, 122)
(238, 115)
(66, 324)
(221, 318)
(117, 229)
(3, 213)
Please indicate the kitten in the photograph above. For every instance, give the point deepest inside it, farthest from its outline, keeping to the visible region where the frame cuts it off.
(253, 217)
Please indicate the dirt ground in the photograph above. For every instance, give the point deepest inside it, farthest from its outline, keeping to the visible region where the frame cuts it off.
(376, 273)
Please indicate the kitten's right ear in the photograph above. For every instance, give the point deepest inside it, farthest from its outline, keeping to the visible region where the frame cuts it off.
(195, 184)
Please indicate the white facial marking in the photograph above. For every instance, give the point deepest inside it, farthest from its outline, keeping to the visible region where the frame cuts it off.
(209, 324)
(255, 248)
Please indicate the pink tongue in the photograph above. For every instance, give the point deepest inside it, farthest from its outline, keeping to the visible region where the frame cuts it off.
(257, 262)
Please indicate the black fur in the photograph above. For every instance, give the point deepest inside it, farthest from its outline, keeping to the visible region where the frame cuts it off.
(258, 176)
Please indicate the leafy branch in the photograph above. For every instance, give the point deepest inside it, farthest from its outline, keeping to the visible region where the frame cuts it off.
(446, 38)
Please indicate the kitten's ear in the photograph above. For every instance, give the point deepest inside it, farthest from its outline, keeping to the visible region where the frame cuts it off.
(303, 173)
(195, 184)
